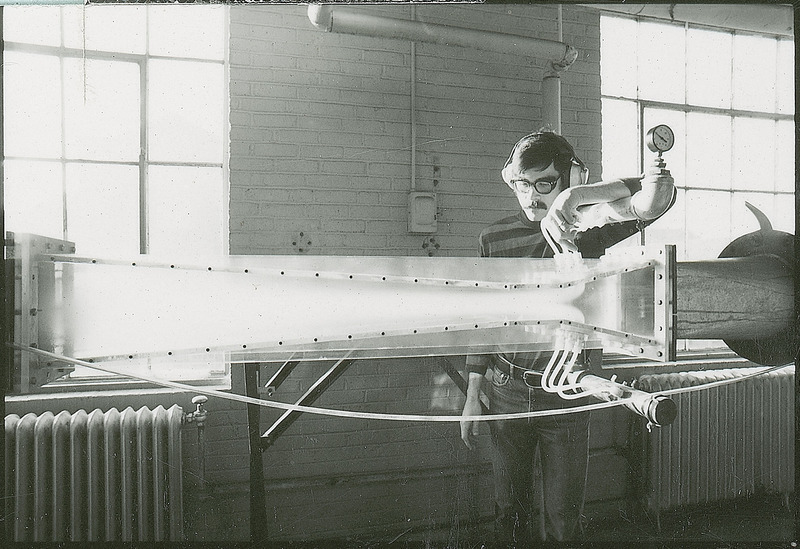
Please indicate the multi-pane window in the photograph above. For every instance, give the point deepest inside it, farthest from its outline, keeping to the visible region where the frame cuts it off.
(116, 134)
(116, 127)
(729, 97)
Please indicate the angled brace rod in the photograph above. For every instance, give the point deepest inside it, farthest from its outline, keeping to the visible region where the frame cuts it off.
(325, 380)
(280, 376)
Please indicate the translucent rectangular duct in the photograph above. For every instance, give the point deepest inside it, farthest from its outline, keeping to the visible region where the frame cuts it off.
(272, 308)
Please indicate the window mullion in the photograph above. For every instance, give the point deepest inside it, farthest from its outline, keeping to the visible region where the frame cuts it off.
(144, 241)
(64, 225)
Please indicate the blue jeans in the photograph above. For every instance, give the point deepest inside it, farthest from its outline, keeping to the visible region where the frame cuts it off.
(563, 442)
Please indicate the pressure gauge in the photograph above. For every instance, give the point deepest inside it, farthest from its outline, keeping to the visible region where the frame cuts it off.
(660, 139)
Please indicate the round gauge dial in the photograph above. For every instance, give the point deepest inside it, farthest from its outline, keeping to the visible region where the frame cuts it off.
(660, 139)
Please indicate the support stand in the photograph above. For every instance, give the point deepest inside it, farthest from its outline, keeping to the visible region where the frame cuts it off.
(258, 511)
(260, 442)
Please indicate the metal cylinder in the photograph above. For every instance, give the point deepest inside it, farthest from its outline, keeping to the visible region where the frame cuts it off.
(740, 298)
(657, 409)
(551, 101)
(746, 297)
(351, 21)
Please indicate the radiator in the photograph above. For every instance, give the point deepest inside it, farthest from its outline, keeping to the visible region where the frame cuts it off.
(97, 476)
(727, 441)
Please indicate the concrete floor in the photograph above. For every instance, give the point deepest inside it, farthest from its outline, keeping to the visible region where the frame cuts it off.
(759, 521)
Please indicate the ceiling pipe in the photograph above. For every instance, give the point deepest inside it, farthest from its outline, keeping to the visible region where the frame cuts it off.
(351, 21)
(559, 55)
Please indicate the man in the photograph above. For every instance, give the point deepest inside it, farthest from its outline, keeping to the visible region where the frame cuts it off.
(557, 204)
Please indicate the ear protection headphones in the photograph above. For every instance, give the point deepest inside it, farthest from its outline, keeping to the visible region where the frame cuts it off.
(577, 173)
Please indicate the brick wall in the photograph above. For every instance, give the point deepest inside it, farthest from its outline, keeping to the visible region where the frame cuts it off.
(321, 136)
(321, 127)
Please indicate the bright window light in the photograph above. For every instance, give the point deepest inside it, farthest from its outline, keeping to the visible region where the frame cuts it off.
(753, 153)
(734, 127)
(115, 134)
(113, 28)
(102, 212)
(708, 68)
(661, 62)
(620, 126)
(33, 197)
(754, 73)
(195, 224)
(32, 105)
(708, 137)
(95, 125)
(618, 55)
(185, 122)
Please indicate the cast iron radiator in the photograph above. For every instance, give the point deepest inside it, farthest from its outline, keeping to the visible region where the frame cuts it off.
(96, 476)
(727, 441)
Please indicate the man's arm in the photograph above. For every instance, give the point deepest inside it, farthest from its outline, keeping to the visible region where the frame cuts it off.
(472, 407)
(581, 208)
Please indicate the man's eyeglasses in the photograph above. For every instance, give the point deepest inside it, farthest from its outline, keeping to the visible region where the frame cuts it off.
(542, 187)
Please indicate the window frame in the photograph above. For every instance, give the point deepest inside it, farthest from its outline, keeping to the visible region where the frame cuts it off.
(731, 112)
(214, 377)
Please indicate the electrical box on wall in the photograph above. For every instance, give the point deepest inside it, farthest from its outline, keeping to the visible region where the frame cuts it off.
(422, 212)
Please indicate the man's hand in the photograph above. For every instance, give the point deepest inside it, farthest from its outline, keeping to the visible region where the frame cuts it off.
(559, 224)
(469, 429)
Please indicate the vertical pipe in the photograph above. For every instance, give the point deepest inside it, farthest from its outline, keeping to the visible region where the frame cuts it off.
(258, 511)
(551, 87)
(413, 70)
(144, 237)
(551, 100)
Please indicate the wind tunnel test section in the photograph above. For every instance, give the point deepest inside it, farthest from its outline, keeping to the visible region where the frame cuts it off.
(276, 308)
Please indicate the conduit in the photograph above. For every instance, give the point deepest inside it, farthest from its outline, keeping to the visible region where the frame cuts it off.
(627, 401)
(559, 55)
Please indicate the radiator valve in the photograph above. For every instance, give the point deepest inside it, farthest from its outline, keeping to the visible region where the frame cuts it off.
(200, 414)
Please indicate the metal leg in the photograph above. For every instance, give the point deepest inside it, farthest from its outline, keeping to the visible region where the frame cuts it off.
(258, 511)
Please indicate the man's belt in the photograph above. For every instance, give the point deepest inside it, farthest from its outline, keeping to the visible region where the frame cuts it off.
(517, 372)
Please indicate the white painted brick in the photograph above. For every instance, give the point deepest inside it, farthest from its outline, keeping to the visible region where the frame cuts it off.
(347, 97)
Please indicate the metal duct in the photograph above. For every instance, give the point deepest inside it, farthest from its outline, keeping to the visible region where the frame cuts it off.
(350, 21)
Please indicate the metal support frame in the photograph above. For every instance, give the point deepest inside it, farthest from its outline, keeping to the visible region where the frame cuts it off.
(309, 397)
(26, 278)
(259, 442)
(252, 387)
(258, 498)
(279, 377)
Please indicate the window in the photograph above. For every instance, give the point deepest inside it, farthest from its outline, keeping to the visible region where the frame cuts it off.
(728, 95)
(115, 126)
(116, 130)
